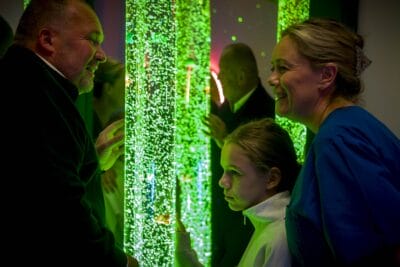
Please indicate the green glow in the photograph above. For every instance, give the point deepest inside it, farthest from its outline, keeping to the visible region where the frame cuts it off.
(192, 145)
(291, 11)
(150, 131)
(167, 61)
(26, 2)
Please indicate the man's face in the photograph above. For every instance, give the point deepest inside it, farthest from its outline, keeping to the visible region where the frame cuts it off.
(228, 78)
(77, 50)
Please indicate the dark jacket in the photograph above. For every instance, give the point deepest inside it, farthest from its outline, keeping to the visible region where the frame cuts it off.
(50, 221)
(259, 105)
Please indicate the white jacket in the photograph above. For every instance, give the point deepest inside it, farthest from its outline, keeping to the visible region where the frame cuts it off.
(268, 245)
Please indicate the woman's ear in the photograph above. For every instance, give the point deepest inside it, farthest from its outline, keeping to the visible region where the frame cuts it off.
(274, 178)
(328, 75)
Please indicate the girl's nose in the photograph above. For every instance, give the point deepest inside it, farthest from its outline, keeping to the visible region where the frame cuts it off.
(224, 182)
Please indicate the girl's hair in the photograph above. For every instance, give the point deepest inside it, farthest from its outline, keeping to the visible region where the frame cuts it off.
(268, 145)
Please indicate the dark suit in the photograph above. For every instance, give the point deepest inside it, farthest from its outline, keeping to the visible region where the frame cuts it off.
(230, 235)
(51, 221)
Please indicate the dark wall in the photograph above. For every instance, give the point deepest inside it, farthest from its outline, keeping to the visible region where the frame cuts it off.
(345, 11)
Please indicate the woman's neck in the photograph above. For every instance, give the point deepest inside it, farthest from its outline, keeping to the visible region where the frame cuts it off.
(329, 107)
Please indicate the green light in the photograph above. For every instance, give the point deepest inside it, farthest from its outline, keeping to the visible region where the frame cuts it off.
(150, 131)
(240, 19)
(167, 60)
(291, 11)
(234, 38)
(192, 145)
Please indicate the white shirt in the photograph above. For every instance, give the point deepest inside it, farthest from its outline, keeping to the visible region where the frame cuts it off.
(242, 101)
(268, 245)
(50, 65)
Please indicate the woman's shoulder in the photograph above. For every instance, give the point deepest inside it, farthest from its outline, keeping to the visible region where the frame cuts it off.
(352, 124)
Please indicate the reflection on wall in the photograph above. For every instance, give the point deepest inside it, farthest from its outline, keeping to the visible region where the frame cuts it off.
(258, 23)
(253, 22)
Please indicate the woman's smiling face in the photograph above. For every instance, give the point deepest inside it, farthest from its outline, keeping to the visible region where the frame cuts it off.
(295, 84)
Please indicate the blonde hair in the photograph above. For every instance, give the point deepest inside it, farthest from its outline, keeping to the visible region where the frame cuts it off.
(268, 145)
(328, 41)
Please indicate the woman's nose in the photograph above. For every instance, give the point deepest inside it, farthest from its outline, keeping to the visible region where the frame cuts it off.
(273, 79)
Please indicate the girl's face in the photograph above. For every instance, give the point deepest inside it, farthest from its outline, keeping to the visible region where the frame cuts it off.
(244, 184)
(295, 84)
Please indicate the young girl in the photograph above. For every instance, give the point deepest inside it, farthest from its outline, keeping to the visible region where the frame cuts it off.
(260, 168)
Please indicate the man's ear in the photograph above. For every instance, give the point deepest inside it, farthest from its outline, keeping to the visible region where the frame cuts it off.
(274, 178)
(46, 41)
(328, 75)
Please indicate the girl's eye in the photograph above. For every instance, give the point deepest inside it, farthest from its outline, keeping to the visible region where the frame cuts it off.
(234, 173)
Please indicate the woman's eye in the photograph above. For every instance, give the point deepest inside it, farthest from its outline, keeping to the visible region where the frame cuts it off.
(279, 69)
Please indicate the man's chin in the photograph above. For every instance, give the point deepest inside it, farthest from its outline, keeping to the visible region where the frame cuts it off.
(85, 88)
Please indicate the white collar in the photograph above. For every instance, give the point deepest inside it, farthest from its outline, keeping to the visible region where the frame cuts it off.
(50, 65)
(242, 101)
(271, 209)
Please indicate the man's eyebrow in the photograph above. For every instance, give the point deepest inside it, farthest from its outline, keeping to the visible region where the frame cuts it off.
(97, 35)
